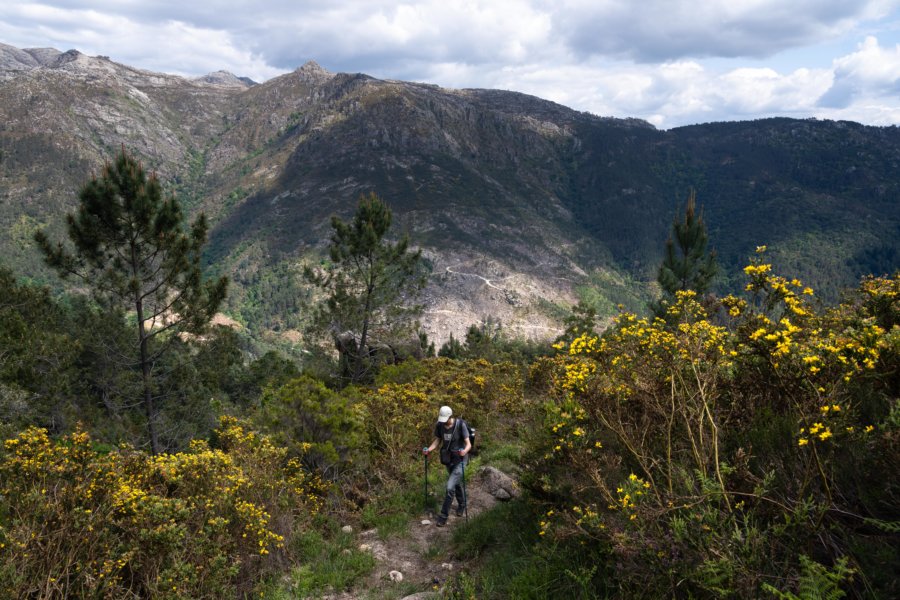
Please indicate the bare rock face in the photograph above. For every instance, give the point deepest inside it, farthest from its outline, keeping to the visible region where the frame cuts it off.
(65, 58)
(224, 78)
(44, 56)
(498, 484)
(13, 59)
(311, 72)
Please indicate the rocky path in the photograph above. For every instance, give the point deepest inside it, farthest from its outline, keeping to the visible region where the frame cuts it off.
(421, 559)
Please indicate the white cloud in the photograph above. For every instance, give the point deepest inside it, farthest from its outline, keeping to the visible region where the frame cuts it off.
(286, 33)
(612, 57)
(660, 30)
(170, 46)
(373, 36)
(759, 91)
(670, 94)
(870, 73)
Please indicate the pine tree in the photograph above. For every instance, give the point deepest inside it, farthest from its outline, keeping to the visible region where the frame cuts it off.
(38, 384)
(583, 320)
(687, 264)
(452, 348)
(483, 339)
(371, 286)
(131, 249)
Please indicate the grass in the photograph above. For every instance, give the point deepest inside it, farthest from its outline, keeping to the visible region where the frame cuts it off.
(434, 552)
(504, 456)
(326, 564)
(491, 529)
(392, 591)
(515, 562)
(390, 512)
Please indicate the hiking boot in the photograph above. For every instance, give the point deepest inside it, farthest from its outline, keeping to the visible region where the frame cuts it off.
(461, 511)
(441, 521)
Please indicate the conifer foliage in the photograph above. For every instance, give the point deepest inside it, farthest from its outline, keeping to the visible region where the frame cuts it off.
(371, 285)
(582, 320)
(688, 265)
(129, 245)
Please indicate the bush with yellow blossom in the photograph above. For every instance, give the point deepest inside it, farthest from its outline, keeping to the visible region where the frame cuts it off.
(402, 410)
(83, 523)
(718, 448)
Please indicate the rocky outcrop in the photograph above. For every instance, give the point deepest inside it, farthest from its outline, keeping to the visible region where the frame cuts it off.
(44, 56)
(498, 484)
(312, 72)
(14, 59)
(224, 78)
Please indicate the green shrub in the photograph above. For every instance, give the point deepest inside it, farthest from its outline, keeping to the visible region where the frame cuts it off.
(321, 426)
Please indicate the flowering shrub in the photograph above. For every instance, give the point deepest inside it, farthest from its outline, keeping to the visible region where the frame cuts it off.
(401, 412)
(708, 451)
(82, 523)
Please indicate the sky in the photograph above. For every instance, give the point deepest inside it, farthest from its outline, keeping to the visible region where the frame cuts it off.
(670, 62)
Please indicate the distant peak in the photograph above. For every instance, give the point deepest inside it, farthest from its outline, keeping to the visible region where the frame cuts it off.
(224, 78)
(312, 67)
(67, 57)
(312, 71)
(44, 56)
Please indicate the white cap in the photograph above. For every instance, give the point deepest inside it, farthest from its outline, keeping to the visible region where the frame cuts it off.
(444, 414)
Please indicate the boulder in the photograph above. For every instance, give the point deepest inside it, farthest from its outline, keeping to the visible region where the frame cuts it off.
(498, 484)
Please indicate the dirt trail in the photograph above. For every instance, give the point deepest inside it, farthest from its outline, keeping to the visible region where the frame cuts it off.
(422, 554)
(489, 282)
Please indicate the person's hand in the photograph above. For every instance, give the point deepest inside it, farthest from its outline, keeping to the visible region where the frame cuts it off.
(462, 453)
(425, 450)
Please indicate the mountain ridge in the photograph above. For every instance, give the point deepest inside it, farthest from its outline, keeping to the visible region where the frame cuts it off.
(557, 203)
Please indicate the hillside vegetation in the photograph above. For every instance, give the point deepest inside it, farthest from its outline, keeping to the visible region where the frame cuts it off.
(742, 447)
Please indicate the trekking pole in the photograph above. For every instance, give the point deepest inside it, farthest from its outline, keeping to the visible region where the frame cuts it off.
(465, 491)
(426, 479)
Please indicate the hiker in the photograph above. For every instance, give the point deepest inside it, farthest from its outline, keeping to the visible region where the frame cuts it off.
(453, 436)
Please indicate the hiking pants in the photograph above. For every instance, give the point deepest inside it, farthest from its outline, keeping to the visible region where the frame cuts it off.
(454, 487)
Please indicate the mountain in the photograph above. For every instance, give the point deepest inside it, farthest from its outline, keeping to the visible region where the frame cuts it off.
(520, 205)
(225, 78)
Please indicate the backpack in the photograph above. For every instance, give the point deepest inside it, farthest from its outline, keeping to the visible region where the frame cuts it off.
(474, 450)
(448, 454)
